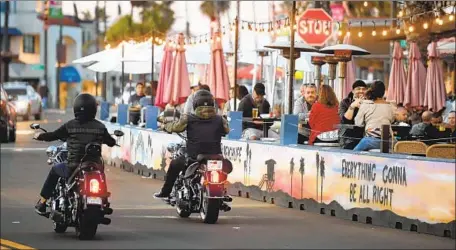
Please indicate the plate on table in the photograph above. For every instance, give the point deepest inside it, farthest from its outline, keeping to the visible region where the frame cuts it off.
(265, 116)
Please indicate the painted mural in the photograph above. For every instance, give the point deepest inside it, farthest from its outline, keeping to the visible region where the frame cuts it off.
(423, 190)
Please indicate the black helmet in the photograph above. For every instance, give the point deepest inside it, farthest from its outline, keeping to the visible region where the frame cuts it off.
(85, 107)
(203, 98)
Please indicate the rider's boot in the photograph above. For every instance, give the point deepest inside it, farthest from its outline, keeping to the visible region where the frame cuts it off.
(40, 207)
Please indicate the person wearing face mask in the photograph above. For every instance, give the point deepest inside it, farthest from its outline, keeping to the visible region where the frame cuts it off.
(248, 103)
(302, 107)
(348, 108)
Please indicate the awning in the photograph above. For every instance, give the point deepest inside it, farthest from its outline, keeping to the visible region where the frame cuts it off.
(12, 32)
(69, 74)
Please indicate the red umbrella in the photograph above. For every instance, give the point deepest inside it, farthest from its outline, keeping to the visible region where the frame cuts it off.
(416, 79)
(218, 79)
(397, 77)
(434, 97)
(178, 85)
(246, 73)
(165, 70)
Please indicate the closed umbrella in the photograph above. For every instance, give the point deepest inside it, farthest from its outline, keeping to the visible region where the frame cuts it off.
(165, 70)
(416, 79)
(218, 79)
(397, 79)
(177, 88)
(434, 97)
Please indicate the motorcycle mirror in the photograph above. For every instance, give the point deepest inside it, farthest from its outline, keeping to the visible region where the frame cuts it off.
(35, 126)
(118, 133)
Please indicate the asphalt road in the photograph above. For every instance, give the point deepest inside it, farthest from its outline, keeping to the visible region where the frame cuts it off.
(140, 222)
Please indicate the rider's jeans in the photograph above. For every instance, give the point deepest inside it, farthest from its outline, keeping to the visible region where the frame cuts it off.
(175, 167)
(59, 170)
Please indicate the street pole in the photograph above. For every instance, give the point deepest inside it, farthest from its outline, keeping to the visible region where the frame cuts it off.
(59, 57)
(236, 47)
(123, 72)
(292, 60)
(105, 75)
(6, 57)
(97, 44)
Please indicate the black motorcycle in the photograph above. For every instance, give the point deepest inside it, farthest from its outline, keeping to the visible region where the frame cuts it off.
(201, 188)
(80, 201)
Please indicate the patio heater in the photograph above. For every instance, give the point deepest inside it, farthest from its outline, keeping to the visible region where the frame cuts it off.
(342, 53)
(332, 62)
(262, 53)
(318, 60)
(285, 47)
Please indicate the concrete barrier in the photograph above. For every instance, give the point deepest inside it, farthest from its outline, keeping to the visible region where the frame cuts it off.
(404, 192)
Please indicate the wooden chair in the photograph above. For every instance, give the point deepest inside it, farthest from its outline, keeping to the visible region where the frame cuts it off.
(447, 151)
(410, 147)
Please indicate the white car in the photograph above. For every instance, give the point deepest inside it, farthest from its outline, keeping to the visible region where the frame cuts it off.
(25, 99)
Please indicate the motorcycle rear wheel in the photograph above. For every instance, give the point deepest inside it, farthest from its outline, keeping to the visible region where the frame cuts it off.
(88, 224)
(209, 209)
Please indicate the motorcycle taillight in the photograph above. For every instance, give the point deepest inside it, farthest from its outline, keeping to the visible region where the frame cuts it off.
(216, 177)
(95, 184)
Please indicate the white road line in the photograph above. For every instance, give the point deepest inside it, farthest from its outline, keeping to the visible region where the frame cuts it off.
(176, 217)
(24, 132)
(22, 149)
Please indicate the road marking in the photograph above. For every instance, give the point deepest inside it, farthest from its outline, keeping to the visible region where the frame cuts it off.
(24, 132)
(165, 207)
(22, 149)
(13, 244)
(177, 217)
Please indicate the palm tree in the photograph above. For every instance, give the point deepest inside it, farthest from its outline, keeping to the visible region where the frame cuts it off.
(213, 9)
(322, 175)
(302, 171)
(291, 176)
(86, 15)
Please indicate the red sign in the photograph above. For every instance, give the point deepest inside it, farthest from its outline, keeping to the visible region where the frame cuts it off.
(337, 11)
(315, 27)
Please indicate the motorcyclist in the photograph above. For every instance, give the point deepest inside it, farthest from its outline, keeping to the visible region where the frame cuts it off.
(78, 132)
(205, 130)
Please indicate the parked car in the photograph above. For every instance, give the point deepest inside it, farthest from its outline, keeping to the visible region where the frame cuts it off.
(25, 99)
(7, 118)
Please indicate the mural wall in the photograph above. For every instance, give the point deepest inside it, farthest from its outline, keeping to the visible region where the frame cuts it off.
(423, 190)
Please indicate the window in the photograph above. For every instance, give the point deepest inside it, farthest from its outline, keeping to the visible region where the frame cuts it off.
(28, 44)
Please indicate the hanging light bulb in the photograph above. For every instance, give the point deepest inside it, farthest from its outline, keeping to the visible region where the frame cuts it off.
(400, 13)
(411, 28)
(398, 31)
(339, 33)
(348, 33)
(374, 33)
(451, 17)
(440, 22)
(425, 25)
(360, 34)
(294, 27)
(365, 4)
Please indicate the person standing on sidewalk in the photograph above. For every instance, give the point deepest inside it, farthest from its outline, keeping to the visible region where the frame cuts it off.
(44, 92)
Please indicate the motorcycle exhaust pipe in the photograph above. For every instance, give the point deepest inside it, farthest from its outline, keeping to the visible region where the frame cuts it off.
(107, 210)
(105, 221)
(57, 216)
(227, 199)
(224, 207)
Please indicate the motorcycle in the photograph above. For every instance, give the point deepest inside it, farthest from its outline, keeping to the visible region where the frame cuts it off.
(80, 201)
(201, 187)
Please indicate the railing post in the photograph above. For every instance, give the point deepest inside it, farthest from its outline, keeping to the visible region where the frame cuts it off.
(104, 110)
(151, 117)
(386, 135)
(289, 130)
(235, 123)
(122, 114)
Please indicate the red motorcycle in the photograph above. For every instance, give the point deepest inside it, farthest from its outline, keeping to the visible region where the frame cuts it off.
(80, 201)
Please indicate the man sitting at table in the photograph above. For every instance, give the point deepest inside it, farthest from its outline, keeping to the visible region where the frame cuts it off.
(302, 107)
(350, 137)
(437, 132)
(418, 129)
(253, 130)
(135, 106)
(401, 117)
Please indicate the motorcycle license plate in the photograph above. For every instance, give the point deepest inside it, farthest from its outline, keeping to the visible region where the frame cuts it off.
(94, 200)
(214, 165)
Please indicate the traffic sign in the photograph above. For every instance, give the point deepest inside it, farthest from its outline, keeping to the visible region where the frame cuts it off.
(55, 9)
(37, 66)
(315, 26)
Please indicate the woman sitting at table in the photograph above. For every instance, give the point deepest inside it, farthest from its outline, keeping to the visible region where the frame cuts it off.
(324, 115)
(372, 114)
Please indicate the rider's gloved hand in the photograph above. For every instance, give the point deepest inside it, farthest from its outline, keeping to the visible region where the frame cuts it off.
(36, 135)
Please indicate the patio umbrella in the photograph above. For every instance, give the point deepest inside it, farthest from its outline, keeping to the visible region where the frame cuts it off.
(165, 70)
(416, 79)
(218, 79)
(177, 88)
(349, 73)
(434, 95)
(397, 79)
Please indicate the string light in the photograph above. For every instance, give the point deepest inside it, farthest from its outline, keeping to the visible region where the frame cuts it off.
(425, 25)
(398, 31)
(451, 17)
(339, 32)
(365, 4)
(374, 32)
(411, 28)
(384, 33)
(400, 14)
